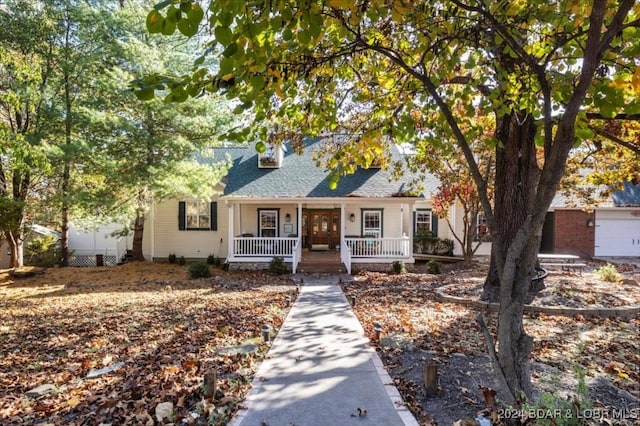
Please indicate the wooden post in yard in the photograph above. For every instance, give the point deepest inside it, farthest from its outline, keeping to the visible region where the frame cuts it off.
(210, 384)
(431, 379)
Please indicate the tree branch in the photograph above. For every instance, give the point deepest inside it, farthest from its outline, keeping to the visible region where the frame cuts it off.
(617, 140)
(625, 117)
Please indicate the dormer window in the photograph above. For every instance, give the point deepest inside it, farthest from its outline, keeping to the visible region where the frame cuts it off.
(272, 157)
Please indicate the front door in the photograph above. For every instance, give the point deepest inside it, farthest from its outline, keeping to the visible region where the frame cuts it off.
(322, 229)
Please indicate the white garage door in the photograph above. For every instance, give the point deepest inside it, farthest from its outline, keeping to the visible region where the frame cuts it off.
(617, 234)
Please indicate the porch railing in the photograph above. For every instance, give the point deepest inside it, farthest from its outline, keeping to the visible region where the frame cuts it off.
(263, 246)
(381, 248)
(345, 255)
(297, 255)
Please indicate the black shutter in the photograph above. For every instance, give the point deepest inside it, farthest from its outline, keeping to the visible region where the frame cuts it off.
(181, 216)
(214, 216)
(415, 225)
(434, 225)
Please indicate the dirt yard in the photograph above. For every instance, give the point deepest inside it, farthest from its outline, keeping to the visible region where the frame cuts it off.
(419, 330)
(146, 332)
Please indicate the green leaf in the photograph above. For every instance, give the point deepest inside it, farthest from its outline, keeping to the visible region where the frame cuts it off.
(187, 28)
(173, 14)
(196, 14)
(304, 37)
(223, 35)
(583, 132)
(225, 18)
(242, 107)
(261, 147)
(145, 94)
(608, 110)
(257, 82)
(193, 90)
(198, 61)
(230, 50)
(227, 66)
(168, 27)
(162, 4)
(154, 22)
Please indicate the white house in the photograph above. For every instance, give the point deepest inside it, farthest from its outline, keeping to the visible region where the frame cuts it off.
(280, 204)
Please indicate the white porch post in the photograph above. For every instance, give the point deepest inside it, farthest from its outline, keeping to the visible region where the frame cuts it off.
(343, 222)
(299, 222)
(411, 225)
(230, 231)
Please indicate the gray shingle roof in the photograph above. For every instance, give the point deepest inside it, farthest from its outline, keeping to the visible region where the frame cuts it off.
(300, 177)
(629, 196)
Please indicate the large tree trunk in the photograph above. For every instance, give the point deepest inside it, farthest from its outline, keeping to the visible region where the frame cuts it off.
(66, 173)
(16, 248)
(138, 232)
(515, 243)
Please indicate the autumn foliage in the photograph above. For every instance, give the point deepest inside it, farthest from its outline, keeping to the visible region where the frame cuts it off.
(165, 328)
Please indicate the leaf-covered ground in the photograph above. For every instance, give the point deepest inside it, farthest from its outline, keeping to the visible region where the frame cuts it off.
(164, 327)
(430, 332)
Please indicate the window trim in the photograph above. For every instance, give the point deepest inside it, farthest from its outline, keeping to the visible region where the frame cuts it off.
(486, 237)
(186, 215)
(277, 226)
(429, 214)
(363, 212)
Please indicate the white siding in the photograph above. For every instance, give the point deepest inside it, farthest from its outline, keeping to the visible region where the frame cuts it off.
(96, 240)
(168, 239)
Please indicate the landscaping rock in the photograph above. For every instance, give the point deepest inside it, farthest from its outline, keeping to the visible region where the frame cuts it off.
(93, 373)
(164, 410)
(398, 341)
(40, 390)
(238, 350)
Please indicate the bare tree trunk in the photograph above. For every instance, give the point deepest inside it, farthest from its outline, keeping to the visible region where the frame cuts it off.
(64, 226)
(16, 248)
(138, 233)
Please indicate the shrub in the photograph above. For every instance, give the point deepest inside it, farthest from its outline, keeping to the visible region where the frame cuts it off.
(181, 260)
(428, 244)
(277, 266)
(433, 267)
(572, 408)
(218, 261)
(42, 251)
(398, 267)
(211, 259)
(608, 273)
(199, 270)
(173, 258)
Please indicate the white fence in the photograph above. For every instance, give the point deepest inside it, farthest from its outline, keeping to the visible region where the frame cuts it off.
(79, 258)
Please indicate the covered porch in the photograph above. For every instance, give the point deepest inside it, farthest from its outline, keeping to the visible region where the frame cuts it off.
(359, 231)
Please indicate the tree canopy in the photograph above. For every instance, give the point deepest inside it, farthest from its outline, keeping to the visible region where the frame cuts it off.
(72, 134)
(391, 72)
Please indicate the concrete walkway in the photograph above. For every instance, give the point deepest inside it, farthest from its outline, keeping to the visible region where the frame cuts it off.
(321, 369)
